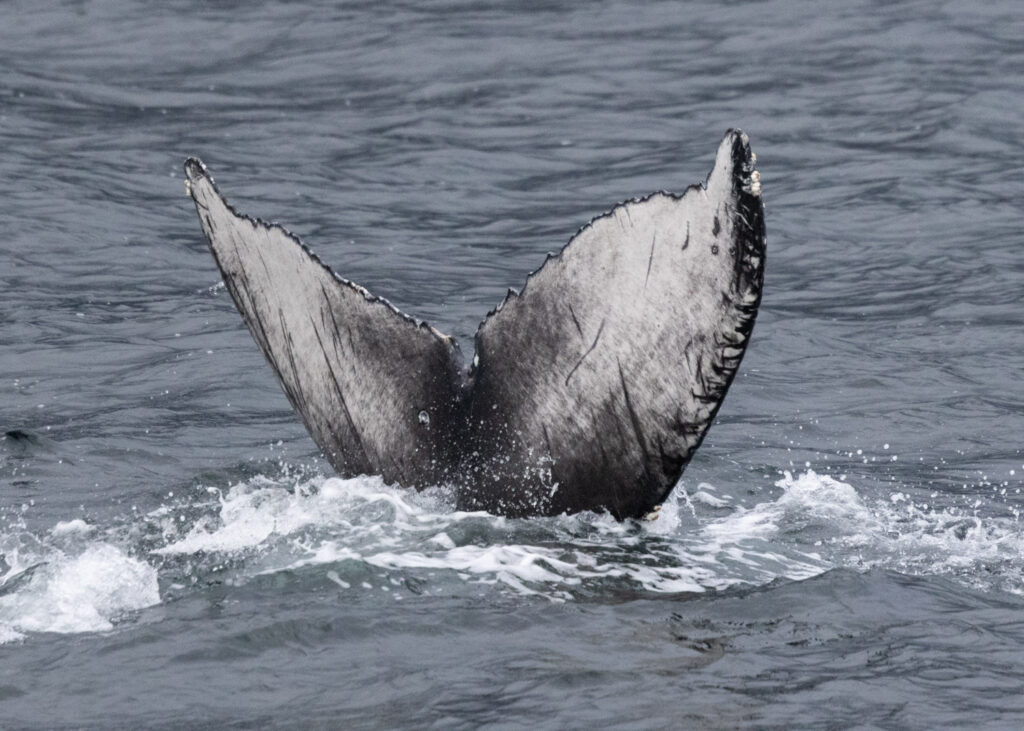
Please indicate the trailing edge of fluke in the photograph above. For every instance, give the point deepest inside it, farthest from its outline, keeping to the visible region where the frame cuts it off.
(591, 389)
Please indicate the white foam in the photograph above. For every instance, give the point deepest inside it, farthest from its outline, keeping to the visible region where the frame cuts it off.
(86, 592)
(71, 527)
(325, 522)
(365, 521)
(702, 496)
(367, 534)
(892, 532)
(9, 634)
(808, 501)
(252, 513)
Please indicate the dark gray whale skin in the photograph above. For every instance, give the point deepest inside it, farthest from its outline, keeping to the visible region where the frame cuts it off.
(591, 389)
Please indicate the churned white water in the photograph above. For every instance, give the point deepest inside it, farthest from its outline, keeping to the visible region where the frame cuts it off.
(67, 582)
(83, 578)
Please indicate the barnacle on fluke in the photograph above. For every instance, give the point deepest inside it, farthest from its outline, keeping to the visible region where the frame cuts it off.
(590, 389)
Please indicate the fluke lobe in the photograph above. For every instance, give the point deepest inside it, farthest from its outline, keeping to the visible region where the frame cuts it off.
(590, 389)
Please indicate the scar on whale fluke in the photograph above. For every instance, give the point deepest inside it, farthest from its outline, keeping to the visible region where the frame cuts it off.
(591, 389)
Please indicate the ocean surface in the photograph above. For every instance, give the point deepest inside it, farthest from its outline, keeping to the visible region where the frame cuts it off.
(845, 551)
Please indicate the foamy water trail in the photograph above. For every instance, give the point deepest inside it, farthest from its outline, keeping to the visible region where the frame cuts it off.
(364, 536)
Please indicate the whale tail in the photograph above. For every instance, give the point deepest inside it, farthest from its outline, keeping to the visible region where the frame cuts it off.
(589, 390)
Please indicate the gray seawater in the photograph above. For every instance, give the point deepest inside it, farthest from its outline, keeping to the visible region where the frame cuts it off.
(846, 549)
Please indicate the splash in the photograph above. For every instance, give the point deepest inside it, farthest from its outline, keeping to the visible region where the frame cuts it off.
(366, 538)
(364, 523)
(984, 550)
(67, 583)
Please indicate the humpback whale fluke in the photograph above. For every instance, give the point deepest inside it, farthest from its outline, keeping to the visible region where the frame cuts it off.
(591, 389)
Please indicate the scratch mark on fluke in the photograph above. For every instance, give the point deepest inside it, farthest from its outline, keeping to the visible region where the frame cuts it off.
(572, 314)
(650, 259)
(588, 352)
